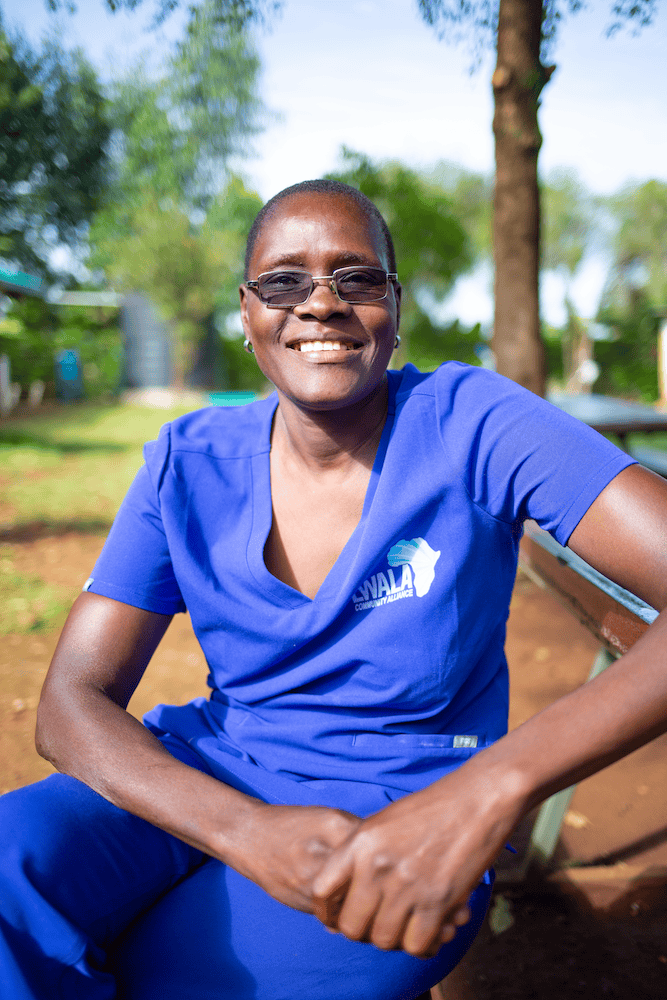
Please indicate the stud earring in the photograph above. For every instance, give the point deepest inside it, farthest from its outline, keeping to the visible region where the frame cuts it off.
(397, 342)
(247, 346)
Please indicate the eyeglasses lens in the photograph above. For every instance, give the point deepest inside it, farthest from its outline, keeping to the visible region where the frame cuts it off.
(292, 288)
(284, 288)
(361, 284)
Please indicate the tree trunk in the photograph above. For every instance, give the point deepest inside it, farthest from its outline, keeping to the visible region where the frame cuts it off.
(517, 82)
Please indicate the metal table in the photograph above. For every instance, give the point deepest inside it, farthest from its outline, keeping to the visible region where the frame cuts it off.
(612, 416)
(616, 416)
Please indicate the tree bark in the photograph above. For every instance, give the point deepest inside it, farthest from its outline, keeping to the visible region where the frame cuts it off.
(517, 83)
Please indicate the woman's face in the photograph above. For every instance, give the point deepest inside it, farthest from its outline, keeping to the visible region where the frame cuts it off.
(319, 233)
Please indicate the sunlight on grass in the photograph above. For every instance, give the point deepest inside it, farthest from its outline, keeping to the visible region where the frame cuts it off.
(29, 604)
(75, 465)
(67, 470)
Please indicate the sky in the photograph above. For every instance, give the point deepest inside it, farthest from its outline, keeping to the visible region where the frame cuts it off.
(371, 75)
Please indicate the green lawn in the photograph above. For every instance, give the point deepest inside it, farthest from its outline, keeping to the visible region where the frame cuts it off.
(67, 470)
(73, 466)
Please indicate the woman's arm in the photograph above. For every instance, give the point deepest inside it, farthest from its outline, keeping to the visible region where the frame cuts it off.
(85, 731)
(403, 879)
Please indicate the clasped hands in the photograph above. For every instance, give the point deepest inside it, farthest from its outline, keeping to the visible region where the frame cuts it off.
(399, 879)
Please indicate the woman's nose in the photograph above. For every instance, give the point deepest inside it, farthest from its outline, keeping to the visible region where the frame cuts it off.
(323, 300)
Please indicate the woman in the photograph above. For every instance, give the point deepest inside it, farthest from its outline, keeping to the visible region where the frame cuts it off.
(347, 551)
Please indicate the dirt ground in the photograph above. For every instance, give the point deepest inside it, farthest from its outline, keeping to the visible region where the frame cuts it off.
(578, 933)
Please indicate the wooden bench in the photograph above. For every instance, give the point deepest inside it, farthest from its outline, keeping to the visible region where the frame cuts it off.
(613, 615)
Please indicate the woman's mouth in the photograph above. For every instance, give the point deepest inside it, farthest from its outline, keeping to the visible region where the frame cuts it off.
(317, 346)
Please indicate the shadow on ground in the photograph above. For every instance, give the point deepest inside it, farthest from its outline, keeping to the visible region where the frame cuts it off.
(558, 948)
(43, 442)
(31, 531)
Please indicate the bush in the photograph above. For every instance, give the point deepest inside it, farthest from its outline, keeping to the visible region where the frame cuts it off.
(33, 331)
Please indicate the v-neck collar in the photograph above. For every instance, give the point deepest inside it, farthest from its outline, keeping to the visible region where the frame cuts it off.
(262, 518)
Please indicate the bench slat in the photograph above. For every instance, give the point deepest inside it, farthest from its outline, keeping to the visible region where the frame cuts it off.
(653, 459)
(614, 615)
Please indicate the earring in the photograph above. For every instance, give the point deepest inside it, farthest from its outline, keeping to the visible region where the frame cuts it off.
(397, 342)
(247, 346)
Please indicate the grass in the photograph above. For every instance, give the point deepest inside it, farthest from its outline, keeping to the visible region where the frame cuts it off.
(65, 470)
(72, 466)
(29, 604)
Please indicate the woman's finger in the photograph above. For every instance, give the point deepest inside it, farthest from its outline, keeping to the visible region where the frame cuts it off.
(461, 916)
(330, 886)
(424, 931)
(358, 910)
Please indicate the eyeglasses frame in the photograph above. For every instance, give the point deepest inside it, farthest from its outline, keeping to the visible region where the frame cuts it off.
(253, 284)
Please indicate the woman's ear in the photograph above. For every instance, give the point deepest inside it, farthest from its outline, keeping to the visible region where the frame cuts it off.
(243, 295)
(398, 292)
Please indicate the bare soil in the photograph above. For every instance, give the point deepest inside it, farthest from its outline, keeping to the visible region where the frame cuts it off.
(562, 939)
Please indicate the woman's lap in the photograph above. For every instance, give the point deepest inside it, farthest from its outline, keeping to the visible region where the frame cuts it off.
(240, 943)
(77, 871)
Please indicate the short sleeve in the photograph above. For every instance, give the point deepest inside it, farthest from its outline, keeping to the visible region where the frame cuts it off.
(135, 566)
(520, 456)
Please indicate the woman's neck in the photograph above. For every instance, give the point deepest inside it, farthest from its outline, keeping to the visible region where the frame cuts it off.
(330, 439)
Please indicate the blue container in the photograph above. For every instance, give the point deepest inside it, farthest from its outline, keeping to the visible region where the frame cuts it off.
(231, 398)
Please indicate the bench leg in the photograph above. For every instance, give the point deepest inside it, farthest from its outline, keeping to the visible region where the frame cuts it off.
(549, 820)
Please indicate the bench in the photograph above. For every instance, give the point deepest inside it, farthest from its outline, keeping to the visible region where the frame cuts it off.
(653, 459)
(613, 615)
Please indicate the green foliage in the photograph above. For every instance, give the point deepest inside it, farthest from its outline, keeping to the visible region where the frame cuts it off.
(175, 134)
(33, 331)
(189, 271)
(237, 12)
(53, 135)
(568, 222)
(629, 362)
(175, 223)
(431, 246)
(471, 195)
(477, 20)
(640, 243)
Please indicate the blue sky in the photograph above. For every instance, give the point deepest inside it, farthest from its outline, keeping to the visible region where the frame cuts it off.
(370, 74)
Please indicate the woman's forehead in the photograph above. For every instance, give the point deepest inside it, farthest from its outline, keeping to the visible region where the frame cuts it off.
(313, 222)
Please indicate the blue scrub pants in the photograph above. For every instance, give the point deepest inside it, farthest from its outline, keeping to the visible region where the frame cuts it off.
(97, 904)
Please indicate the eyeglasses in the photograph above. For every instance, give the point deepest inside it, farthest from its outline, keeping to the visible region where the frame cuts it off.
(282, 289)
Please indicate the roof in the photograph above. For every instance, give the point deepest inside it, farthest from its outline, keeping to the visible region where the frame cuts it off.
(17, 283)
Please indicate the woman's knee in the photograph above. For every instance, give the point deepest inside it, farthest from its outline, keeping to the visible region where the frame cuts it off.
(66, 849)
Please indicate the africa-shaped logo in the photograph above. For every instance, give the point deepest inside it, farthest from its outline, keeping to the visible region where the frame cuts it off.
(421, 558)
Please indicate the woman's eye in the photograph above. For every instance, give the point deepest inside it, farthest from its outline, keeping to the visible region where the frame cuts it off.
(282, 280)
(359, 279)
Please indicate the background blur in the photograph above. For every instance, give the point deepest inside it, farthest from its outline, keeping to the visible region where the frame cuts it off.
(151, 147)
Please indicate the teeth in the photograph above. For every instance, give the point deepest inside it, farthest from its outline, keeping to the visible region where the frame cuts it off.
(322, 345)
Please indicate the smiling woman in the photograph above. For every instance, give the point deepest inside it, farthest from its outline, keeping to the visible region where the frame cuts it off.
(347, 551)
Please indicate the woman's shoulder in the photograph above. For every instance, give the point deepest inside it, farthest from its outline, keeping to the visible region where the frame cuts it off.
(220, 431)
(455, 385)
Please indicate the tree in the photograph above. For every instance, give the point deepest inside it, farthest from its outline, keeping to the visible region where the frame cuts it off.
(635, 298)
(236, 13)
(175, 135)
(640, 241)
(432, 248)
(523, 32)
(173, 223)
(569, 225)
(53, 135)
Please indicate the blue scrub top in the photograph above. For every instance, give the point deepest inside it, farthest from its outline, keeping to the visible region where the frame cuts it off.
(395, 672)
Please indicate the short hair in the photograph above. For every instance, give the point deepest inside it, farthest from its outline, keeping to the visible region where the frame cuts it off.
(323, 186)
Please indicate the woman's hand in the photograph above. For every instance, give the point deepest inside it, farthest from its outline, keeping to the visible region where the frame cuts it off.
(283, 849)
(403, 879)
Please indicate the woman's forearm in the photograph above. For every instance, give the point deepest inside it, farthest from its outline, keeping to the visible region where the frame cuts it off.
(585, 731)
(84, 730)
(88, 736)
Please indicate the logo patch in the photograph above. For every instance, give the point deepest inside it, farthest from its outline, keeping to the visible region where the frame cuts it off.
(416, 561)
